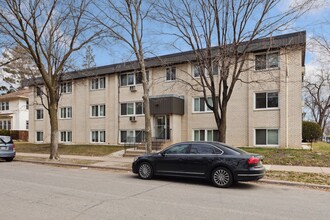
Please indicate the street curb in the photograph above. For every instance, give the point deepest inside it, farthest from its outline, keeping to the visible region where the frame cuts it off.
(74, 165)
(287, 183)
(266, 181)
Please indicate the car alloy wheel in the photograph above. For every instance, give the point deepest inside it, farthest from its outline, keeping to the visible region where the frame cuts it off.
(145, 171)
(222, 177)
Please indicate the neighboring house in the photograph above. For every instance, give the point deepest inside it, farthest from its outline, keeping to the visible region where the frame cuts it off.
(14, 110)
(104, 105)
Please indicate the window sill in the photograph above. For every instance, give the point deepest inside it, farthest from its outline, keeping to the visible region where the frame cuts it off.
(267, 69)
(208, 112)
(96, 89)
(266, 109)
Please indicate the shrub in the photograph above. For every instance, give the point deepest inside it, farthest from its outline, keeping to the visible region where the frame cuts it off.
(311, 131)
(5, 132)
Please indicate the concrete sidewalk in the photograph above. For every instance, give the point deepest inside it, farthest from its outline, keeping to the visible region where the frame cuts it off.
(118, 161)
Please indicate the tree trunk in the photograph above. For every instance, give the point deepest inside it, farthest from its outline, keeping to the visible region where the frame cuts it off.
(146, 106)
(223, 125)
(54, 136)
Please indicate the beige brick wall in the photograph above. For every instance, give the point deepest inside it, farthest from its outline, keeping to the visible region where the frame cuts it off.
(242, 119)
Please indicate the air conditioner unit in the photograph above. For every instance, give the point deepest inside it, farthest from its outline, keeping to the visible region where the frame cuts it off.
(132, 119)
(132, 88)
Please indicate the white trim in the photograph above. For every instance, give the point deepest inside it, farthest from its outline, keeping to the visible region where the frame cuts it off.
(267, 145)
(267, 108)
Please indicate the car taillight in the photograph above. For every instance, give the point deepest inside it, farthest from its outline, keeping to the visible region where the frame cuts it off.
(14, 146)
(253, 160)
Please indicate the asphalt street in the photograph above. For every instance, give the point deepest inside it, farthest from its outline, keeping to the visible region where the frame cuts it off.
(30, 191)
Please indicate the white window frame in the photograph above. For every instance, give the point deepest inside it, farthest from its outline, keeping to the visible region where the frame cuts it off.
(194, 67)
(267, 108)
(98, 107)
(67, 137)
(132, 132)
(5, 124)
(36, 116)
(4, 106)
(267, 60)
(170, 74)
(267, 129)
(98, 133)
(206, 109)
(95, 83)
(134, 108)
(205, 134)
(67, 113)
(66, 87)
(42, 133)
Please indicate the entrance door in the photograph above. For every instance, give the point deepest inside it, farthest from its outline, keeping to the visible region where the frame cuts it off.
(162, 127)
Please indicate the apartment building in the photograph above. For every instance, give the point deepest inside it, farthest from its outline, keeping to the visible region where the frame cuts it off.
(14, 110)
(104, 105)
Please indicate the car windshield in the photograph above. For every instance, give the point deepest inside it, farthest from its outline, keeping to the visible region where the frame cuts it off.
(5, 139)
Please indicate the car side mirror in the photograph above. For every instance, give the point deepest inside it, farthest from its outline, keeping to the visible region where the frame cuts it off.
(163, 154)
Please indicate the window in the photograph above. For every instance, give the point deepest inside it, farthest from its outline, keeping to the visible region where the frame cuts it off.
(266, 61)
(40, 136)
(170, 73)
(66, 112)
(204, 149)
(266, 100)
(266, 136)
(39, 114)
(66, 87)
(206, 135)
(39, 91)
(98, 83)
(5, 125)
(98, 110)
(133, 108)
(66, 136)
(197, 70)
(178, 149)
(4, 106)
(129, 79)
(200, 104)
(132, 136)
(98, 136)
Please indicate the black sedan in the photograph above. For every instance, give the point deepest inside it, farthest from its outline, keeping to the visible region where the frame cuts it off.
(219, 163)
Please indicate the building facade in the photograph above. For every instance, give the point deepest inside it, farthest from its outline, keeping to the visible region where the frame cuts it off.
(14, 110)
(104, 105)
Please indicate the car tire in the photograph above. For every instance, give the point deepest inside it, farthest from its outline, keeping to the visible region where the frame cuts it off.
(9, 159)
(145, 171)
(222, 177)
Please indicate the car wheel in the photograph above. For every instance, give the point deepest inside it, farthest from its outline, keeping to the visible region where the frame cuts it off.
(9, 159)
(145, 171)
(222, 177)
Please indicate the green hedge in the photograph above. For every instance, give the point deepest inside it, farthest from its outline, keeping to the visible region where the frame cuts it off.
(311, 131)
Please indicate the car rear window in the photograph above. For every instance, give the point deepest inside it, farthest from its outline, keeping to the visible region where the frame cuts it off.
(5, 139)
(232, 150)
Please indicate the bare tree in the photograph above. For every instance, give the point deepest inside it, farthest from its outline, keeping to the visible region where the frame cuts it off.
(19, 66)
(220, 33)
(88, 60)
(317, 97)
(124, 22)
(50, 31)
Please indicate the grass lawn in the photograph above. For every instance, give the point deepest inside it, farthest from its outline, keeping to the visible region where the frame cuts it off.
(83, 150)
(319, 156)
(313, 178)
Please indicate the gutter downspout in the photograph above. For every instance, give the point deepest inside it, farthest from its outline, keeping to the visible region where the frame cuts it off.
(286, 102)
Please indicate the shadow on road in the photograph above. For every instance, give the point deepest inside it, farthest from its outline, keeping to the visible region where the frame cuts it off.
(196, 181)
